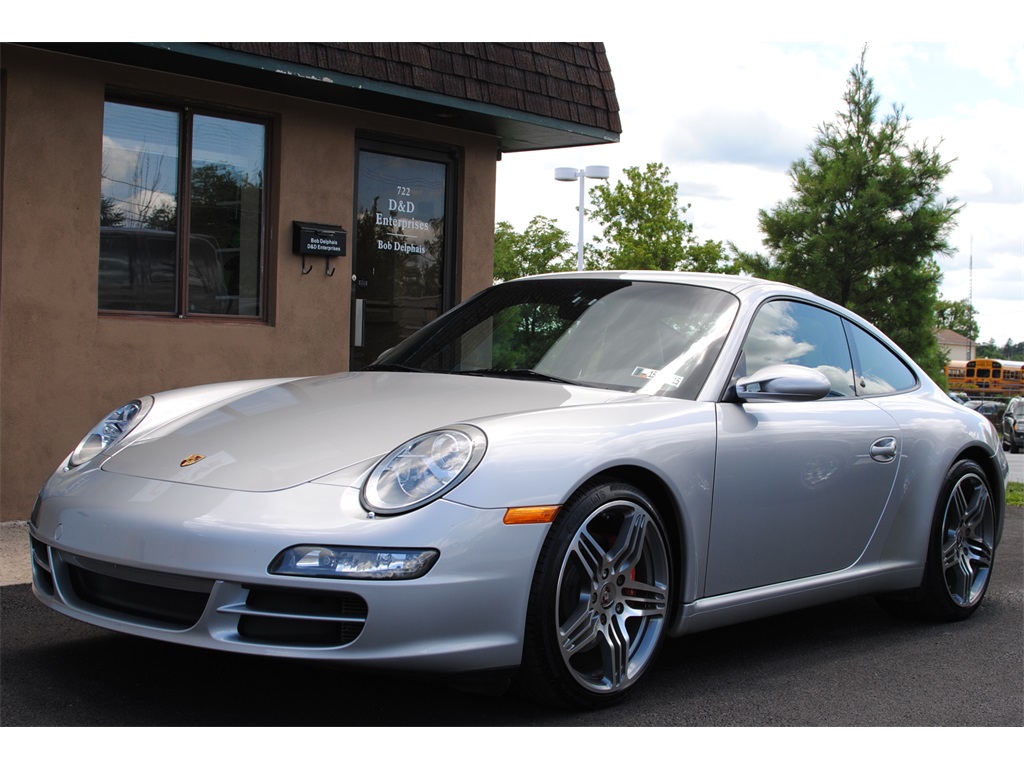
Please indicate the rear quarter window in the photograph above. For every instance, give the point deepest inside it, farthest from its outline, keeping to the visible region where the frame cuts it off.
(879, 370)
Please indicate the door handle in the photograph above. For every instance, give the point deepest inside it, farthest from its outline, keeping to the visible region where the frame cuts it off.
(357, 335)
(883, 450)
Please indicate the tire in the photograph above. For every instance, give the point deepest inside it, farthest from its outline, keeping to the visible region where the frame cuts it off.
(600, 599)
(961, 550)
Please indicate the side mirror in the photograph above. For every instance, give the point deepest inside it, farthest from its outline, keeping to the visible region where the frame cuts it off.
(783, 383)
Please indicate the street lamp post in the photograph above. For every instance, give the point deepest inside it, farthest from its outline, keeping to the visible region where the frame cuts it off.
(571, 174)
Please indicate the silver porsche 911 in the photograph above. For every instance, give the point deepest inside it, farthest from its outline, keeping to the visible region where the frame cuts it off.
(541, 485)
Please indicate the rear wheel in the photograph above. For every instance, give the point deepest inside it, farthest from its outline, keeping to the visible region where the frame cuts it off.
(962, 546)
(600, 599)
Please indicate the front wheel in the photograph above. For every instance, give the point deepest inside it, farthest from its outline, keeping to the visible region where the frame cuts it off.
(600, 599)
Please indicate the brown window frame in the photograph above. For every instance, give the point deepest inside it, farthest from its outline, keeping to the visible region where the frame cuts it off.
(187, 111)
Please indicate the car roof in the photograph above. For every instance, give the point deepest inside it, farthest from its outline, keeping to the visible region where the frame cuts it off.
(751, 291)
(731, 283)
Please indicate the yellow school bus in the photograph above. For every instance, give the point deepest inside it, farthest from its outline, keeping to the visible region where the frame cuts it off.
(992, 377)
(956, 374)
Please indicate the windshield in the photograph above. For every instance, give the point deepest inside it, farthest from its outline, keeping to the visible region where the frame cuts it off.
(650, 337)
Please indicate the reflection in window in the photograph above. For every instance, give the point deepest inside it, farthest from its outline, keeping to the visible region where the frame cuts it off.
(879, 370)
(801, 334)
(656, 338)
(138, 268)
(401, 250)
(145, 264)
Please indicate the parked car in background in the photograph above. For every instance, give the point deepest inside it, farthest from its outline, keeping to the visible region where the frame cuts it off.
(540, 486)
(964, 400)
(993, 411)
(959, 397)
(1013, 425)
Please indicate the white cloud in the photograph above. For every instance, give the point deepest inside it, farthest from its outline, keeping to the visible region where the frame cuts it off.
(728, 119)
(1002, 63)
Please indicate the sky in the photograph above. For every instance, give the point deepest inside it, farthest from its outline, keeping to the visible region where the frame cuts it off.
(700, 92)
(728, 118)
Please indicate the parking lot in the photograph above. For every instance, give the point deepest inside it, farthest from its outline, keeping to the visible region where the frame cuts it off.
(844, 664)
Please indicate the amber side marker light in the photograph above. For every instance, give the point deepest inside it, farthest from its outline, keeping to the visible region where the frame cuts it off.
(527, 515)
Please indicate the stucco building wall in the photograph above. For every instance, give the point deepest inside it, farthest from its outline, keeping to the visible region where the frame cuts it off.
(64, 366)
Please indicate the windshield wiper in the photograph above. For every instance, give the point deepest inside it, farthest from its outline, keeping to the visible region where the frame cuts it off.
(395, 367)
(517, 373)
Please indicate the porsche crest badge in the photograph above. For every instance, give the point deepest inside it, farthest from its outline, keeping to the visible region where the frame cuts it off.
(188, 461)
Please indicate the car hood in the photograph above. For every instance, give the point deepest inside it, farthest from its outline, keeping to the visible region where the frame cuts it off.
(297, 431)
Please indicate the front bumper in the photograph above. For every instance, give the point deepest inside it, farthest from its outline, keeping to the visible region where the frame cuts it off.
(190, 565)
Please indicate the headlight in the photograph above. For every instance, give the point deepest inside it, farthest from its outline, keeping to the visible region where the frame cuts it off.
(109, 431)
(424, 468)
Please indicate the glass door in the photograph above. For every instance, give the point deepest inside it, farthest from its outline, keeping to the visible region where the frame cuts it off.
(402, 267)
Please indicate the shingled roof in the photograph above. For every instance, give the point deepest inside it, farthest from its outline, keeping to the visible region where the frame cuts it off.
(528, 95)
(569, 82)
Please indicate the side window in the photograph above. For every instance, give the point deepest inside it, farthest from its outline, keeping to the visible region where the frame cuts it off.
(879, 371)
(801, 334)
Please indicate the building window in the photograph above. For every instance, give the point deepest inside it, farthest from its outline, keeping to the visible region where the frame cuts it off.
(181, 212)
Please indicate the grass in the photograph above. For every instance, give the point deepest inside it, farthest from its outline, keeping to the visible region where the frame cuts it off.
(1015, 495)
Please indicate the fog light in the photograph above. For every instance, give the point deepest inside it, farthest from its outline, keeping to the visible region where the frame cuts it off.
(324, 562)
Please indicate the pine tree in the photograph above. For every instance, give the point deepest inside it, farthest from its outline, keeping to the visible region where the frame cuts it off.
(866, 222)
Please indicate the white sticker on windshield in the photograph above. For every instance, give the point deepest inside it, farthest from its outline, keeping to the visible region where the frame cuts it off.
(650, 373)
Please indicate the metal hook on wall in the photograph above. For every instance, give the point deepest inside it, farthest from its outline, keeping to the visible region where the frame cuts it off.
(318, 240)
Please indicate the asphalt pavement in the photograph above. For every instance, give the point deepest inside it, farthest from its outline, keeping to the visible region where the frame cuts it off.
(850, 663)
(844, 664)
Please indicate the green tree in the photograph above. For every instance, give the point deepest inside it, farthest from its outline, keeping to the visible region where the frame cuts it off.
(957, 316)
(866, 222)
(1007, 351)
(542, 247)
(643, 226)
(111, 215)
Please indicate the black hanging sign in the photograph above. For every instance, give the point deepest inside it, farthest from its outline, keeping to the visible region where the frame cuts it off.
(309, 239)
